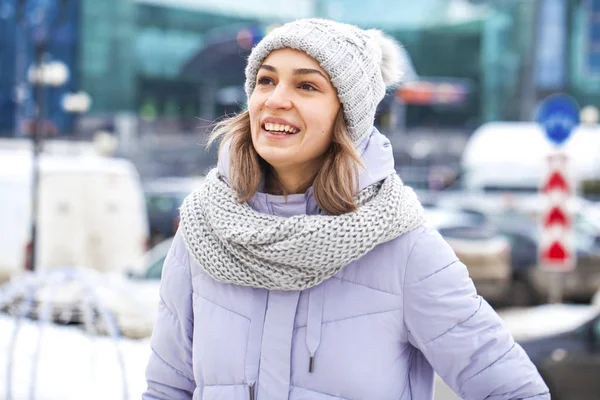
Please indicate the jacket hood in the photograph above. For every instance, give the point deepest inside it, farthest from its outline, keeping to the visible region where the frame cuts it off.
(378, 158)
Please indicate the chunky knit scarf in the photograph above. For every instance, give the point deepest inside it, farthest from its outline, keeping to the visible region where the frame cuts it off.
(235, 244)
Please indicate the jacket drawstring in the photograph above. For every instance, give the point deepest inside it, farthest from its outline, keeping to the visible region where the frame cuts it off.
(314, 323)
(257, 321)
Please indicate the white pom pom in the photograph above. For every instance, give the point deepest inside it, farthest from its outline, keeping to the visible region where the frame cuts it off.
(395, 63)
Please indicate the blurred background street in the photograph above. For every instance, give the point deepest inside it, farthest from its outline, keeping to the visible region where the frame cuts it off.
(105, 106)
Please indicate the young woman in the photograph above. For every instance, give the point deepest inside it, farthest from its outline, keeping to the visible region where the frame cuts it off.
(303, 268)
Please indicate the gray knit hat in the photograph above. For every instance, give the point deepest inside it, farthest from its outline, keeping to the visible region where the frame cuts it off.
(361, 64)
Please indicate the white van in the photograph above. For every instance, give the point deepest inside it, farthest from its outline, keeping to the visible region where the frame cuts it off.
(511, 157)
(91, 212)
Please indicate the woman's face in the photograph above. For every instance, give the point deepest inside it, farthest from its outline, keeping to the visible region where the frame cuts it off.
(292, 111)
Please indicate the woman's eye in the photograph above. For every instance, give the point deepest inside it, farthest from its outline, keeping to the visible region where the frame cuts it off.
(308, 87)
(264, 81)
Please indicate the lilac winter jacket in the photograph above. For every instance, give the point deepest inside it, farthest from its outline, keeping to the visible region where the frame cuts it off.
(376, 330)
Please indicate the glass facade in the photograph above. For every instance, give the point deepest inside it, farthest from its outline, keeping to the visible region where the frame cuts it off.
(57, 22)
(166, 39)
(182, 58)
(107, 58)
(585, 44)
(506, 61)
(405, 15)
(261, 9)
(8, 32)
(445, 53)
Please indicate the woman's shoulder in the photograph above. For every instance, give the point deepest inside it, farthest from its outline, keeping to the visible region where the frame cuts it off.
(179, 252)
(384, 267)
(409, 257)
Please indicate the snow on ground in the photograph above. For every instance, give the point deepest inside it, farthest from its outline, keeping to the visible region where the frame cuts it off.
(71, 363)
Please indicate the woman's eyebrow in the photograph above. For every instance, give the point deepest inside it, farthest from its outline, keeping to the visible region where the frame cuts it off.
(268, 67)
(309, 71)
(299, 71)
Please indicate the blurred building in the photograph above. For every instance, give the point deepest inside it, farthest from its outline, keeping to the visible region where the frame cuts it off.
(178, 64)
(17, 53)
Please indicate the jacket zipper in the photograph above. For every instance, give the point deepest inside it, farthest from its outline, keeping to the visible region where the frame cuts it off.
(251, 391)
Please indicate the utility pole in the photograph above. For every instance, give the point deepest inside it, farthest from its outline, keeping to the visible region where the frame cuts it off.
(41, 38)
(38, 95)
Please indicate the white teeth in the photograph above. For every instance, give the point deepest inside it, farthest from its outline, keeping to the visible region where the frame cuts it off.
(278, 128)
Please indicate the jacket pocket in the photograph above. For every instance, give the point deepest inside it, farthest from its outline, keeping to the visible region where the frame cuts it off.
(220, 344)
(224, 392)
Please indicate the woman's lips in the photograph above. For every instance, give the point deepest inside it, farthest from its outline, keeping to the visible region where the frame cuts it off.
(278, 122)
(277, 135)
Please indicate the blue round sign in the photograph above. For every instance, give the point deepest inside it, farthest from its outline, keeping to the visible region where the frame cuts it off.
(559, 115)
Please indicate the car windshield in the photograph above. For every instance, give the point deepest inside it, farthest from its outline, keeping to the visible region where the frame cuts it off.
(510, 189)
(154, 271)
(590, 327)
(585, 225)
(440, 218)
(468, 232)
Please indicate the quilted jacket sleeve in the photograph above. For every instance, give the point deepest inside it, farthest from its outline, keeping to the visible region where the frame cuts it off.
(169, 373)
(458, 332)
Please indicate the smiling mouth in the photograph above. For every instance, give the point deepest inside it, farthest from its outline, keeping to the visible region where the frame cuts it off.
(279, 129)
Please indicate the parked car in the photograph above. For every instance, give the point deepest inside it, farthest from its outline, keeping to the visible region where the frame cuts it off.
(523, 259)
(163, 199)
(491, 162)
(532, 284)
(485, 253)
(91, 212)
(84, 298)
(528, 325)
(70, 363)
(150, 265)
(563, 340)
(517, 220)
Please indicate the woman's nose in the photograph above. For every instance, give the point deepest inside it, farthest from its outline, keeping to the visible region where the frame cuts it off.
(279, 98)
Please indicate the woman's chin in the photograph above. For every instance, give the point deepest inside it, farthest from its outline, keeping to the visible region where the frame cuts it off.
(279, 161)
(276, 156)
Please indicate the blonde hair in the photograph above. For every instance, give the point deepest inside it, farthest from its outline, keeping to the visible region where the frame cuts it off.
(334, 185)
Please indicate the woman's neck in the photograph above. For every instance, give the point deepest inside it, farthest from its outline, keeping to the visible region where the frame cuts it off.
(289, 182)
